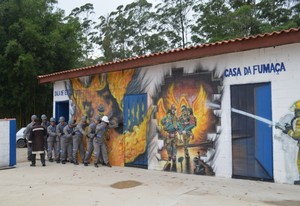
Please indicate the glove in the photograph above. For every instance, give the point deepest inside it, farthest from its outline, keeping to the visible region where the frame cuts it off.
(287, 128)
(73, 133)
(62, 134)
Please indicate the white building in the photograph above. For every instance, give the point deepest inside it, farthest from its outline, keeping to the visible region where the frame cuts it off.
(227, 109)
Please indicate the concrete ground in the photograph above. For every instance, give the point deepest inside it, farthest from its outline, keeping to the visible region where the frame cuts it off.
(58, 184)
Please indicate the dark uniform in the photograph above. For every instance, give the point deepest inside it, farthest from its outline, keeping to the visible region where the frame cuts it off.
(37, 142)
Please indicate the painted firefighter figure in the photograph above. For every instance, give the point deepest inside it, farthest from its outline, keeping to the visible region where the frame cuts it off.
(187, 123)
(170, 125)
(293, 130)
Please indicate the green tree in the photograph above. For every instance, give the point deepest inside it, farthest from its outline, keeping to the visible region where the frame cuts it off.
(275, 14)
(174, 20)
(129, 31)
(227, 19)
(84, 14)
(211, 22)
(34, 40)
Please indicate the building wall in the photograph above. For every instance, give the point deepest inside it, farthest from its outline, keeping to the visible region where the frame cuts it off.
(191, 100)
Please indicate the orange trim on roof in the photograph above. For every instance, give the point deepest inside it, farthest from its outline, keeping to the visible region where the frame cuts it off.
(275, 38)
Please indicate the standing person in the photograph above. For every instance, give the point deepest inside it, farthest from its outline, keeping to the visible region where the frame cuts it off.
(78, 140)
(67, 142)
(51, 140)
(99, 142)
(90, 137)
(45, 124)
(27, 133)
(59, 133)
(37, 141)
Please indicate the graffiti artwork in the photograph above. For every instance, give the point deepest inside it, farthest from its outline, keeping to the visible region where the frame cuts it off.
(183, 119)
(290, 126)
(185, 122)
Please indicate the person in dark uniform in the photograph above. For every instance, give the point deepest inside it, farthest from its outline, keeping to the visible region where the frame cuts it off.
(37, 142)
(26, 135)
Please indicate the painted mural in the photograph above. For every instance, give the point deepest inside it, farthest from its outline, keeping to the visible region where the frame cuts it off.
(224, 115)
(169, 128)
(289, 125)
(170, 120)
(185, 121)
(88, 93)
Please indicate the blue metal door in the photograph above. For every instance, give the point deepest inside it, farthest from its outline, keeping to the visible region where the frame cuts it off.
(62, 109)
(263, 137)
(252, 146)
(135, 110)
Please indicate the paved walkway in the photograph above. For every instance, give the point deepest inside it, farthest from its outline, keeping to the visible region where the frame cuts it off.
(58, 184)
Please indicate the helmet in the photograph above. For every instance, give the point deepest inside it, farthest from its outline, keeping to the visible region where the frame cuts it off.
(61, 119)
(173, 107)
(183, 108)
(97, 118)
(83, 118)
(71, 122)
(43, 117)
(33, 117)
(105, 119)
(297, 105)
(52, 119)
(101, 108)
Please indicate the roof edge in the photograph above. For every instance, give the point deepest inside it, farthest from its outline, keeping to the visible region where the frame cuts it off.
(275, 38)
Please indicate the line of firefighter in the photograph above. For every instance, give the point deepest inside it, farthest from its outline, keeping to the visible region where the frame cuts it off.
(63, 141)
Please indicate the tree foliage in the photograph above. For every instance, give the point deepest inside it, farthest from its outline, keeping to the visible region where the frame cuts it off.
(226, 19)
(34, 40)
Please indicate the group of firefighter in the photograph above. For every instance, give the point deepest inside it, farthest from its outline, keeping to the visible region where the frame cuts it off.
(64, 140)
(179, 129)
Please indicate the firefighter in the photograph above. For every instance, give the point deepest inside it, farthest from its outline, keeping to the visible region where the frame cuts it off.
(51, 140)
(37, 142)
(59, 132)
(90, 137)
(99, 142)
(45, 124)
(170, 124)
(26, 134)
(67, 142)
(293, 130)
(187, 123)
(79, 133)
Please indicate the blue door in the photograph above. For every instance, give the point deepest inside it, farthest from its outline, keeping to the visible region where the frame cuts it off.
(263, 137)
(252, 145)
(62, 109)
(135, 110)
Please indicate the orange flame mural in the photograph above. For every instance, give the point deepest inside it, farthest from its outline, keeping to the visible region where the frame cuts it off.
(86, 99)
(198, 106)
(118, 82)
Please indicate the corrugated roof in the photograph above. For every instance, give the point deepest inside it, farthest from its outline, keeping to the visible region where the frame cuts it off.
(275, 38)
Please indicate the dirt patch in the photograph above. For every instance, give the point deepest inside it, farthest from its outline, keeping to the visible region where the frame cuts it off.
(284, 203)
(125, 184)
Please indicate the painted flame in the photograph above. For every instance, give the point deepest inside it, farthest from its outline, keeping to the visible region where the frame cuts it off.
(118, 82)
(198, 105)
(135, 141)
